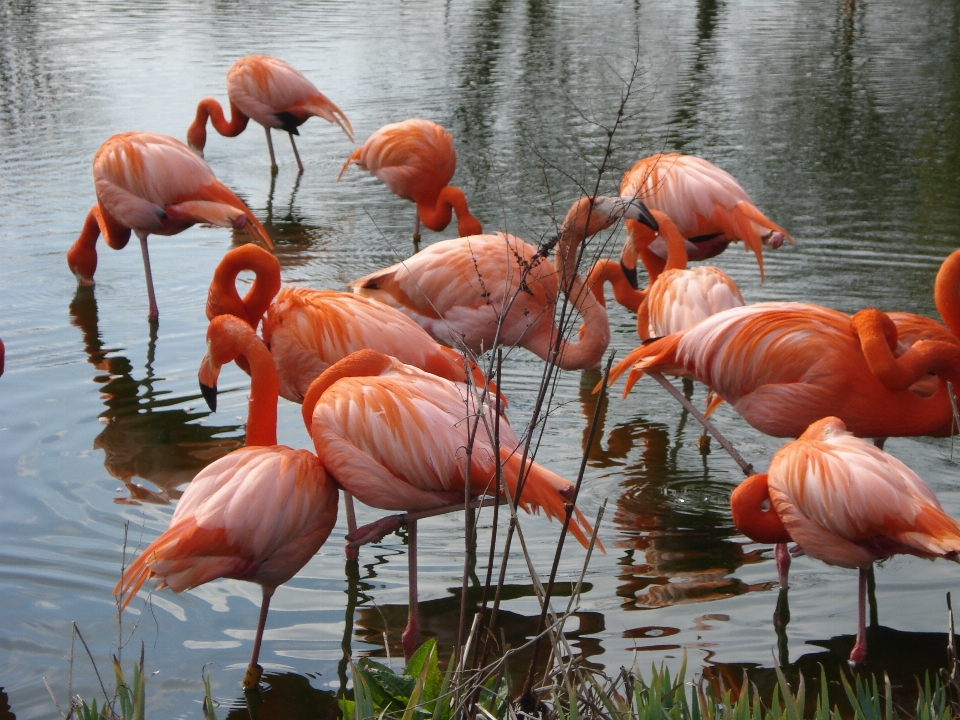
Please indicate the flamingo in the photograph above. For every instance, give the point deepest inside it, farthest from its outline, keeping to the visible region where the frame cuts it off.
(477, 291)
(783, 366)
(845, 502)
(273, 93)
(153, 184)
(396, 438)
(415, 159)
(257, 514)
(309, 330)
(708, 205)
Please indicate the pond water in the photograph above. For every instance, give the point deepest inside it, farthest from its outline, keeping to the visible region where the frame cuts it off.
(841, 120)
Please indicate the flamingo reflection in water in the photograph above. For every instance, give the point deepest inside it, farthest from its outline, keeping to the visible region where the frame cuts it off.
(145, 433)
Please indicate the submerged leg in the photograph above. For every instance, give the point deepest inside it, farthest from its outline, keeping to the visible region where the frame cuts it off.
(154, 314)
(411, 633)
(252, 677)
(273, 158)
(859, 653)
(295, 153)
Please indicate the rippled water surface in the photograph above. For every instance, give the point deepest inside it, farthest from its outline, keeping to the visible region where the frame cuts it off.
(843, 125)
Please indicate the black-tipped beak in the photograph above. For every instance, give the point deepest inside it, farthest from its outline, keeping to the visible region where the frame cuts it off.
(631, 274)
(644, 216)
(210, 395)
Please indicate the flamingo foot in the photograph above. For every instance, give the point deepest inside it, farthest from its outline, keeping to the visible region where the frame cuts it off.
(375, 531)
(773, 241)
(859, 652)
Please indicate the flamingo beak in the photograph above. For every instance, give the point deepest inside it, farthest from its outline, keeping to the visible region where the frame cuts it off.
(210, 395)
(633, 209)
(209, 372)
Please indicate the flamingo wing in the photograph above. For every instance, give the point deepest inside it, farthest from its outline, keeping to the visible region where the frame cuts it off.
(680, 299)
(847, 503)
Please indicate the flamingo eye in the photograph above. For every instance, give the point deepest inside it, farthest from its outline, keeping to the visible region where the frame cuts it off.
(765, 505)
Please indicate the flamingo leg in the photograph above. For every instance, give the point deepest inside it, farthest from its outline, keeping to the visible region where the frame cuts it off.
(416, 228)
(295, 153)
(411, 633)
(783, 563)
(273, 158)
(154, 314)
(352, 552)
(252, 677)
(859, 653)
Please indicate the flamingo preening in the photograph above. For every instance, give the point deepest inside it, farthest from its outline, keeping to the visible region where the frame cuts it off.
(153, 185)
(845, 502)
(479, 291)
(258, 514)
(415, 159)
(274, 94)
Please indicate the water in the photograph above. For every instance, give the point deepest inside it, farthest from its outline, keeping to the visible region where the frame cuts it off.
(844, 126)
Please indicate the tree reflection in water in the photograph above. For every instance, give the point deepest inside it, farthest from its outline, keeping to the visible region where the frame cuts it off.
(144, 435)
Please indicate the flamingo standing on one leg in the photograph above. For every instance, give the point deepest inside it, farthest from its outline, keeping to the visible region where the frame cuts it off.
(274, 94)
(483, 290)
(415, 159)
(845, 502)
(308, 330)
(153, 184)
(817, 362)
(397, 439)
(258, 514)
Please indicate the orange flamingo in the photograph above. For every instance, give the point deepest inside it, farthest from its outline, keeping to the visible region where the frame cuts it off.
(308, 330)
(707, 204)
(396, 438)
(257, 514)
(484, 290)
(153, 184)
(415, 159)
(274, 94)
(845, 502)
(882, 375)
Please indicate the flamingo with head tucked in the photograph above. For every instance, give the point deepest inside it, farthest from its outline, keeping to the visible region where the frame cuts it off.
(479, 291)
(415, 159)
(845, 502)
(258, 514)
(274, 94)
(153, 184)
(881, 374)
(396, 438)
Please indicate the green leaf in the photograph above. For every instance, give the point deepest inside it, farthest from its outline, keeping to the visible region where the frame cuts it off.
(386, 683)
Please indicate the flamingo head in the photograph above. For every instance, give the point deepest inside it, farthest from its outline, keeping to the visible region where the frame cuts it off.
(82, 262)
(754, 514)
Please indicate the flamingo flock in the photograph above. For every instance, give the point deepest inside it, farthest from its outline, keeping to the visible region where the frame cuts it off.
(387, 378)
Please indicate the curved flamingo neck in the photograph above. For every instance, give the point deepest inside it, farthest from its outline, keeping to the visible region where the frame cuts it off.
(210, 108)
(947, 292)
(223, 298)
(676, 245)
(746, 506)
(436, 215)
(363, 363)
(230, 338)
(82, 255)
(606, 270)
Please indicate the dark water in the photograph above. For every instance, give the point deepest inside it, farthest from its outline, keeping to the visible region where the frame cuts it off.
(843, 125)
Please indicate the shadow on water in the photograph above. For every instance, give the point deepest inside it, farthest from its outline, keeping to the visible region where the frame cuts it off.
(6, 713)
(143, 435)
(903, 656)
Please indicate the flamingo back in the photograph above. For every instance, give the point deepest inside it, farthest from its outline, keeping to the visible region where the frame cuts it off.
(415, 159)
(264, 87)
(846, 502)
(259, 514)
(680, 299)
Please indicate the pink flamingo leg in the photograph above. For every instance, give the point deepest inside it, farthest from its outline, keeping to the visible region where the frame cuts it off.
(296, 154)
(412, 632)
(273, 158)
(416, 227)
(352, 551)
(783, 563)
(154, 314)
(252, 677)
(859, 653)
